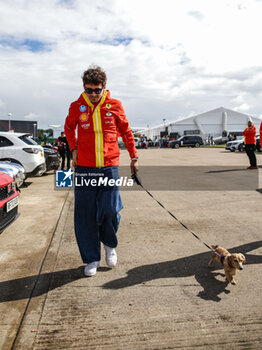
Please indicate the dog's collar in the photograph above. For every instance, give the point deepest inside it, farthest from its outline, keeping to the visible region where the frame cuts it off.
(222, 257)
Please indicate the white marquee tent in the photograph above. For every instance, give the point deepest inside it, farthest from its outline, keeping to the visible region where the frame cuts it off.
(212, 123)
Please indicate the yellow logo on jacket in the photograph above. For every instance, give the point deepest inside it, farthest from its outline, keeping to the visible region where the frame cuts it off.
(83, 117)
(108, 105)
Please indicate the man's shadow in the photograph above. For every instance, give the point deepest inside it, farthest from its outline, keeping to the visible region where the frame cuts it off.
(33, 286)
(194, 265)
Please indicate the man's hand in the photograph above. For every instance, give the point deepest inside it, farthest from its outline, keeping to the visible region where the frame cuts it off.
(134, 166)
(74, 158)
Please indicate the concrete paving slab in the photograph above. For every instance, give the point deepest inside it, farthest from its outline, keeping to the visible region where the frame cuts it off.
(23, 246)
(161, 295)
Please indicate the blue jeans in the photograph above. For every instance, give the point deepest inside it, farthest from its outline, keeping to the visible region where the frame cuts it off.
(97, 207)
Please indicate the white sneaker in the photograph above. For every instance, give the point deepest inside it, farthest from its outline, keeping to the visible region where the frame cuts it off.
(90, 269)
(111, 256)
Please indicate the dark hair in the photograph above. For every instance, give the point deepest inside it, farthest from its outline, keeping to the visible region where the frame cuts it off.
(94, 75)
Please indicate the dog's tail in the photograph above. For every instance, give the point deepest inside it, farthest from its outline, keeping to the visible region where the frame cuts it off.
(214, 246)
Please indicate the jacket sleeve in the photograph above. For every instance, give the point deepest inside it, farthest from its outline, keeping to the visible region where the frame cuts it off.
(125, 131)
(70, 127)
(244, 133)
(249, 132)
(261, 134)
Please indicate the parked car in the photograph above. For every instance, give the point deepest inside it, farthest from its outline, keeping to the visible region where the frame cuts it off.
(235, 145)
(51, 158)
(8, 201)
(22, 149)
(258, 144)
(240, 145)
(137, 142)
(16, 171)
(187, 141)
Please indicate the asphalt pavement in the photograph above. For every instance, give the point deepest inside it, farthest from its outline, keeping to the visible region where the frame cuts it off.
(161, 295)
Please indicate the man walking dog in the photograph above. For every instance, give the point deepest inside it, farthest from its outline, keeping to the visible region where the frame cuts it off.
(95, 154)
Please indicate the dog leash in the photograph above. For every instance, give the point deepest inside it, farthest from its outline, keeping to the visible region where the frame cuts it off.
(138, 181)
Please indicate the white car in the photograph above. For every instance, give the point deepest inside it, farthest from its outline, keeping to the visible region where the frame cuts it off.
(16, 171)
(235, 145)
(22, 149)
(137, 141)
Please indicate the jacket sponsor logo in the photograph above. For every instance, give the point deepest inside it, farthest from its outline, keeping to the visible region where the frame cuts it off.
(108, 114)
(85, 126)
(108, 105)
(109, 122)
(83, 117)
(82, 108)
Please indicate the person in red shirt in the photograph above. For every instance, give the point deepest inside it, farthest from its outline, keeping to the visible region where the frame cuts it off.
(250, 144)
(261, 135)
(99, 120)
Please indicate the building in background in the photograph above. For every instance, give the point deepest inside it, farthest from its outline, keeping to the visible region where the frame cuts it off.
(24, 126)
(218, 123)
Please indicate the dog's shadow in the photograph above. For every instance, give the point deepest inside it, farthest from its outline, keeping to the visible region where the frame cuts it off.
(194, 265)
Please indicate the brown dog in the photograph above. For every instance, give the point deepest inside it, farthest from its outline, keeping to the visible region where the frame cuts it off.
(231, 262)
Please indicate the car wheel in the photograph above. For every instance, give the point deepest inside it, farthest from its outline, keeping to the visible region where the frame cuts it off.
(176, 145)
(197, 145)
(240, 148)
(11, 160)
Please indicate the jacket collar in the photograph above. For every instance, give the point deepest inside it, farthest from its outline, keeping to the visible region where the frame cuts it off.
(84, 99)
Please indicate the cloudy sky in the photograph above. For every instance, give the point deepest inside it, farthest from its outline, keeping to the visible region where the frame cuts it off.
(164, 59)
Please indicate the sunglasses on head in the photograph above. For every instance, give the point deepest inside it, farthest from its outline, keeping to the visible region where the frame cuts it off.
(96, 91)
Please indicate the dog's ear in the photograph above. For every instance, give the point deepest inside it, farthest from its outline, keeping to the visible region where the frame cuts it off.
(242, 257)
(230, 258)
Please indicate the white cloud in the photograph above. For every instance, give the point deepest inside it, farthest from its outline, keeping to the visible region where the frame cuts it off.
(163, 59)
(2, 104)
(242, 108)
(31, 116)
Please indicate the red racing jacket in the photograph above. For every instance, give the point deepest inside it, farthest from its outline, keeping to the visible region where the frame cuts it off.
(98, 127)
(250, 135)
(261, 134)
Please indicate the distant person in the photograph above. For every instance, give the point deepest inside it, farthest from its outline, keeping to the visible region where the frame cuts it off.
(165, 141)
(250, 144)
(64, 150)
